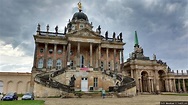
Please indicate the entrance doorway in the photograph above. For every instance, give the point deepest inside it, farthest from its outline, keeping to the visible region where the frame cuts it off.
(84, 84)
(161, 80)
(144, 75)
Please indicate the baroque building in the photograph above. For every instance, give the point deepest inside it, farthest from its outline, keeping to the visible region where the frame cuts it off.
(80, 59)
(153, 76)
(83, 59)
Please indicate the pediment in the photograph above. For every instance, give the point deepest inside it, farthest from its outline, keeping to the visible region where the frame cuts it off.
(84, 33)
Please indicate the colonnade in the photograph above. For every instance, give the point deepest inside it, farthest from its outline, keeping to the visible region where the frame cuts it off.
(67, 55)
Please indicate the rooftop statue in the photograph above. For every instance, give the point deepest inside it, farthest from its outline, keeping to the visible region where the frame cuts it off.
(56, 29)
(80, 6)
(38, 27)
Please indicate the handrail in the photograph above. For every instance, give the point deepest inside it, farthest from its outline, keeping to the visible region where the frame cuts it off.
(45, 79)
(125, 82)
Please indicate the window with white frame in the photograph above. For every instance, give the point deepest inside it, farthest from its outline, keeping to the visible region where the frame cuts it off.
(109, 65)
(50, 63)
(81, 26)
(58, 64)
(95, 82)
(102, 66)
(40, 63)
(71, 64)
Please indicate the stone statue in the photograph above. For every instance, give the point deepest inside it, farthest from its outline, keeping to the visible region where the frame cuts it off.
(65, 30)
(38, 27)
(106, 35)
(99, 29)
(47, 27)
(154, 57)
(80, 6)
(120, 35)
(72, 81)
(114, 35)
(56, 29)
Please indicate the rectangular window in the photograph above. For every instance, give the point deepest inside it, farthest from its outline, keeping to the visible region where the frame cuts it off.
(102, 66)
(95, 82)
(108, 65)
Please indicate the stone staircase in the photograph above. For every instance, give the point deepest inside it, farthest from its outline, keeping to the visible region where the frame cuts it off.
(125, 81)
(46, 79)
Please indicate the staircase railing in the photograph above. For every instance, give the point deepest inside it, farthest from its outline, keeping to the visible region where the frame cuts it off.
(45, 79)
(125, 82)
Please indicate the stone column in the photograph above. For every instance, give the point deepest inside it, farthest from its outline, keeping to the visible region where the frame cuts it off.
(54, 58)
(179, 86)
(152, 89)
(156, 82)
(167, 85)
(64, 57)
(174, 81)
(122, 60)
(106, 58)
(131, 73)
(184, 88)
(149, 85)
(115, 60)
(99, 57)
(141, 86)
(91, 55)
(78, 54)
(68, 52)
(35, 56)
(137, 81)
(45, 55)
(170, 85)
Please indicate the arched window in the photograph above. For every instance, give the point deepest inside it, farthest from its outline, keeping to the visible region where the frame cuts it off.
(50, 63)
(58, 64)
(1, 86)
(40, 63)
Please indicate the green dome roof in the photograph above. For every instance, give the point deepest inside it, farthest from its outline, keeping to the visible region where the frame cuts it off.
(80, 15)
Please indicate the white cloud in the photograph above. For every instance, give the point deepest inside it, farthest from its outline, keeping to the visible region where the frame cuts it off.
(14, 59)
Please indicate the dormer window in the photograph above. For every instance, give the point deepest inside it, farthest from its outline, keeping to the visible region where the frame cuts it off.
(81, 26)
(73, 27)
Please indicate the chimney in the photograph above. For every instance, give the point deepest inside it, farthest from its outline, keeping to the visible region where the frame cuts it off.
(177, 72)
(187, 72)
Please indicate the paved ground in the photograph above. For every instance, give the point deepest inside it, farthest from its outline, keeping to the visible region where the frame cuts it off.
(137, 100)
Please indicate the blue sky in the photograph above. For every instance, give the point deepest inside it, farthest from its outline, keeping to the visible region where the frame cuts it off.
(161, 25)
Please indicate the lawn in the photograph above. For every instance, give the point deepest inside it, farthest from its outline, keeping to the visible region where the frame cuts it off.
(176, 94)
(23, 102)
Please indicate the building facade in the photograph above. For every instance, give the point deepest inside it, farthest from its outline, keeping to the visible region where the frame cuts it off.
(93, 59)
(82, 59)
(153, 76)
(14, 82)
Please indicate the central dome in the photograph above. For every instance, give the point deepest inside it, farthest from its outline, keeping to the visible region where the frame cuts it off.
(80, 15)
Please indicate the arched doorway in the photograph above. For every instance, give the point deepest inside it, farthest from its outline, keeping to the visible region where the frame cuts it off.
(144, 76)
(1, 86)
(161, 80)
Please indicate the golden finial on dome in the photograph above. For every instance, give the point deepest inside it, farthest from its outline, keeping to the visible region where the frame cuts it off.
(79, 6)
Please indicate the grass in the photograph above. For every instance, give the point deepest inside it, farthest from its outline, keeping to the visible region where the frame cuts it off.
(177, 94)
(23, 102)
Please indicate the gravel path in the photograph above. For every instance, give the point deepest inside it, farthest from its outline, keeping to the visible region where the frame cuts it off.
(137, 100)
